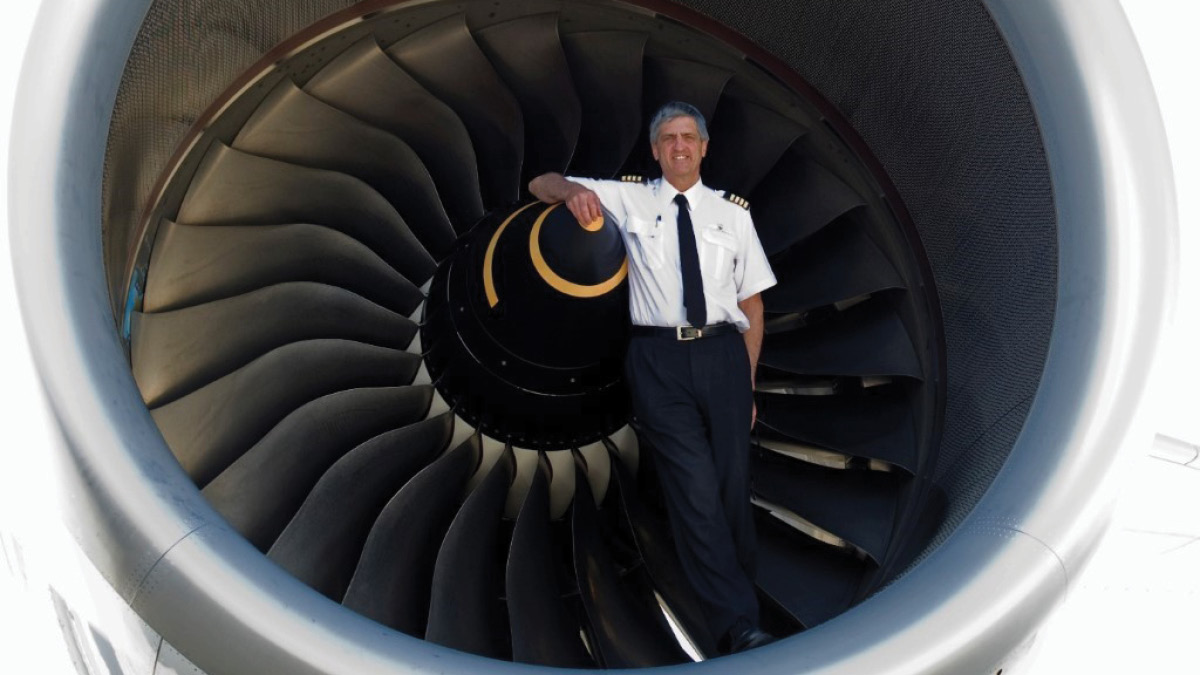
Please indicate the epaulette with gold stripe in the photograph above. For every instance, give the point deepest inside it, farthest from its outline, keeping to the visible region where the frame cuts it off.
(740, 201)
(633, 178)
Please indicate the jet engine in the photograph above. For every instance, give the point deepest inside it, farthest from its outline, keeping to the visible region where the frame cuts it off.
(335, 394)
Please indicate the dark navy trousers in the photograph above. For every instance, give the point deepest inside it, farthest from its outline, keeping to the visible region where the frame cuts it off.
(693, 402)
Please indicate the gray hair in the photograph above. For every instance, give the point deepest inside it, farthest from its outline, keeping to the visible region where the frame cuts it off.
(677, 109)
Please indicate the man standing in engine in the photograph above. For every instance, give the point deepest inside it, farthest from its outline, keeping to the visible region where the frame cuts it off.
(696, 271)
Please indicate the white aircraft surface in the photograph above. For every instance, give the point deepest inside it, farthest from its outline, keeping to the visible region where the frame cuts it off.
(1132, 610)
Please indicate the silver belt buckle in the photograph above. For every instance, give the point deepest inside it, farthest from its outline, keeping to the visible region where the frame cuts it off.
(688, 332)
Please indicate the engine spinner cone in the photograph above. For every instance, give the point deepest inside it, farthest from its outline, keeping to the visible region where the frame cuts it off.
(526, 328)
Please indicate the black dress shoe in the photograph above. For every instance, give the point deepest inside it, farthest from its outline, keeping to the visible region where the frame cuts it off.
(749, 638)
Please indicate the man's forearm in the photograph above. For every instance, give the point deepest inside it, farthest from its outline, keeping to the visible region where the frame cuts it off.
(752, 307)
(552, 188)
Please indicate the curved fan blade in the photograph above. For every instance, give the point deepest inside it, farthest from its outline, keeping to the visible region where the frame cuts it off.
(210, 427)
(774, 442)
(797, 198)
(838, 263)
(321, 545)
(623, 634)
(364, 82)
(747, 140)
(391, 584)
(466, 610)
(294, 127)
(177, 352)
(858, 506)
(529, 56)
(812, 581)
(194, 264)
(867, 339)
(607, 69)
(543, 630)
(470, 85)
(262, 490)
(233, 188)
(657, 549)
(669, 79)
(876, 424)
(775, 381)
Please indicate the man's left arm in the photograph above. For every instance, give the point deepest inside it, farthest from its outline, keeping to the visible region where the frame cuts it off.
(753, 276)
(752, 307)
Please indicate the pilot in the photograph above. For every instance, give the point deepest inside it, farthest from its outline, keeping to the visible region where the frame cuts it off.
(696, 271)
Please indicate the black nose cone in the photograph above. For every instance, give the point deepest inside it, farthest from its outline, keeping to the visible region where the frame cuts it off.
(526, 326)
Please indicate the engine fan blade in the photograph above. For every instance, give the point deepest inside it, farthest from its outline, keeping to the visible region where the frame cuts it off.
(210, 427)
(774, 442)
(797, 198)
(234, 188)
(295, 127)
(469, 84)
(322, 543)
(747, 141)
(669, 79)
(857, 506)
(623, 634)
(262, 490)
(543, 630)
(392, 581)
(837, 263)
(176, 352)
(812, 581)
(876, 425)
(528, 55)
(466, 610)
(364, 82)
(606, 67)
(867, 339)
(195, 264)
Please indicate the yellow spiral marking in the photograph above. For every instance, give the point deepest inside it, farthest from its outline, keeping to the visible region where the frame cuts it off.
(560, 284)
(489, 284)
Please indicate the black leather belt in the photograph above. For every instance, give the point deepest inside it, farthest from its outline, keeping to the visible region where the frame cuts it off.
(684, 332)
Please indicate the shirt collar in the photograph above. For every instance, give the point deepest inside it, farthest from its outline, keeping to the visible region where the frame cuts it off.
(667, 192)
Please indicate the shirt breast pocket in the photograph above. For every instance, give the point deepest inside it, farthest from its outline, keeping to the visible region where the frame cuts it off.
(645, 242)
(717, 254)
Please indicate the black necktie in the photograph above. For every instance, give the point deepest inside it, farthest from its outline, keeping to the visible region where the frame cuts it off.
(689, 262)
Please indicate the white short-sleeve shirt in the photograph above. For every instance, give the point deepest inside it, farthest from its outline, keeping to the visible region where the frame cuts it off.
(732, 261)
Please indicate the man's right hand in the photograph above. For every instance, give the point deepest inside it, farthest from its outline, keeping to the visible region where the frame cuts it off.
(582, 202)
(585, 205)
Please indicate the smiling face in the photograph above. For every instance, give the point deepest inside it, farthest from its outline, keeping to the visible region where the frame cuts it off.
(679, 150)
